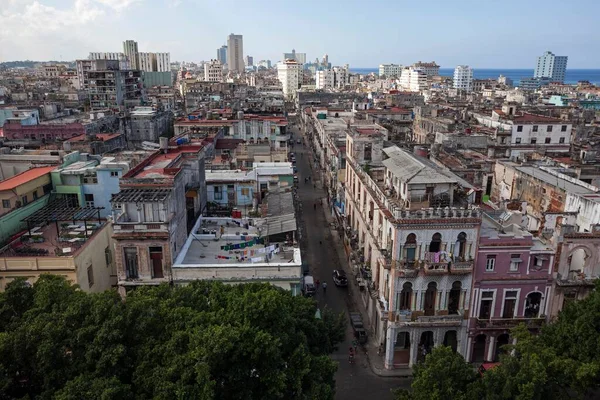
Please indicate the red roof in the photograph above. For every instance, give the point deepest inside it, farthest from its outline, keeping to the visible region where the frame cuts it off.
(100, 136)
(24, 177)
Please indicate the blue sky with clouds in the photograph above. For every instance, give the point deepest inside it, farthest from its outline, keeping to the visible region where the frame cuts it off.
(483, 33)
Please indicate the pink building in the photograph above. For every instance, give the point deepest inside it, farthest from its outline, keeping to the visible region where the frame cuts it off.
(43, 132)
(512, 284)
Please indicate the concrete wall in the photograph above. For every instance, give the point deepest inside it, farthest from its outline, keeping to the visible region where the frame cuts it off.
(93, 255)
(12, 222)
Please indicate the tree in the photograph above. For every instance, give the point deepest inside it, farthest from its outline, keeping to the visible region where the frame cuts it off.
(202, 341)
(444, 375)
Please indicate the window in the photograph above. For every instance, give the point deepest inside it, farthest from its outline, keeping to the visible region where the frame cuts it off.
(406, 296)
(520, 128)
(490, 264)
(218, 193)
(47, 188)
(535, 128)
(515, 260)
(547, 140)
(5, 203)
(114, 173)
(510, 302)
(35, 195)
(533, 140)
(485, 307)
(518, 140)
(549, 128)
(24, 200)
(563, 128)
(131, 263)
(108, 256)
(90, 276)
(89, 200)
(245, 192)
(561, 140)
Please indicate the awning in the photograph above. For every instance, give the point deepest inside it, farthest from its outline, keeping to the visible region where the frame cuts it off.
(274, 225)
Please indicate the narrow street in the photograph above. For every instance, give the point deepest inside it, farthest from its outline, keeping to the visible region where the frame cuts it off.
(353, 381)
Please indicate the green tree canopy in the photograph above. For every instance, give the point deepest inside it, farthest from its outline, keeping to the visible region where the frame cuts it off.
(202, 341)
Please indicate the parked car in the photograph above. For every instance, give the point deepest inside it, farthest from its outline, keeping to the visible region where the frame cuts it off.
(295, 169)
(299, 141)
(295, 178)
(308, 286)
(360, 333)
(339, 278)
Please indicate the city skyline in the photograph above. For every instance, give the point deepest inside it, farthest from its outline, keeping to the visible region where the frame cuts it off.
(477, 35)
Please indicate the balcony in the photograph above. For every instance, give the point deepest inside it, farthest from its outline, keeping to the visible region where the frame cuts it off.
(407, 269)
(461, 267)
(433, 264)
(141, 226)
(416, 318)
(507, 323)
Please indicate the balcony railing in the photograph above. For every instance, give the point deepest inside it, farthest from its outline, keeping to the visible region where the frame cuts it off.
(501, 323)
(461, 267)
(140, 226)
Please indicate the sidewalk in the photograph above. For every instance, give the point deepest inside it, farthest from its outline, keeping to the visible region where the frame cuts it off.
(375, 361)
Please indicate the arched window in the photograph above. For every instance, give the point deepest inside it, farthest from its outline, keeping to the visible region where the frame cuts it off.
(454, 298)
(430, 297)
(532, 305)
(406, 296)
(410, 248)
(436, 243)
(461, 246)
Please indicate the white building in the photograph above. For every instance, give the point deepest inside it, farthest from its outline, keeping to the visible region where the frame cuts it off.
(324, 79)
(235, 53)
(103, 55)
(390, 70)
(341, 77)
(413, 79)
(147, 60)
(551, 66)
(463, 78)
(130, 48)
(163, 62)
(430, 68)
(288, 73)
(213, 71)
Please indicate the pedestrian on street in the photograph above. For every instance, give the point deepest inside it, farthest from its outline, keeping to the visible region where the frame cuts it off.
(315, 185)
(317, 283)
(324, 287)
(315, 206)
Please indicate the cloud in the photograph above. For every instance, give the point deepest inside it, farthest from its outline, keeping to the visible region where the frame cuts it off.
(32, 29)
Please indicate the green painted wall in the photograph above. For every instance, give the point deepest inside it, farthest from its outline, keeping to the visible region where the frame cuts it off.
(12, 222)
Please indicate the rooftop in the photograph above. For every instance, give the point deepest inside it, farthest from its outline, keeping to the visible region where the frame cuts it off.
(411, 169)
(24, 177)
(558, 180)
(98, 137)
(227, 242)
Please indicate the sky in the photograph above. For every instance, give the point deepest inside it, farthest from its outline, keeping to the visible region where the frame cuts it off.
(481, 33)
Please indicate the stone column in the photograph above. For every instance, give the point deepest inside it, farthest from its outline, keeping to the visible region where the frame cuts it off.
(414, 347)
(389, 348)
(469, 349)
(491, 348)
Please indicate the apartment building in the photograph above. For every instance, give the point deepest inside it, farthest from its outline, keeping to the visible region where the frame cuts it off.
(413, 79)
(150, 226)
(512, 284)
(390, 70)
(235, 53)
(213, 71)
(463, 78)
(288, 73)
(412, 237)
(429, 68)
(551, 67)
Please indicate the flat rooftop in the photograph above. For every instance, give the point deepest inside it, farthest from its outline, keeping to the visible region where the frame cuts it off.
(212, 243)
(42, 240)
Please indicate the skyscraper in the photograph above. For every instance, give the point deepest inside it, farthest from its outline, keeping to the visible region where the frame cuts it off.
(463, 78)
(288, 73)
(130, 48)
(551, 66)
(249, 61)
(235, 53)
(299, 57)
(222, 54)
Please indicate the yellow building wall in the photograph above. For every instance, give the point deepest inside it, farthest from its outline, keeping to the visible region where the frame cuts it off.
(27, 189)
(94, 255)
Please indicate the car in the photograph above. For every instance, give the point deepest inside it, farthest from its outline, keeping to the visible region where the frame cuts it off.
(299, 141)
(339, 278)
(295, 169)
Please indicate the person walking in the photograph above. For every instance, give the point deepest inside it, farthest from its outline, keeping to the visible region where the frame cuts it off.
(324, 287)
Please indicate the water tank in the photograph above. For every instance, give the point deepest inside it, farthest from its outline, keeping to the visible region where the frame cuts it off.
(421, 151)
(164, 143)
(67, 145)
(240, 115)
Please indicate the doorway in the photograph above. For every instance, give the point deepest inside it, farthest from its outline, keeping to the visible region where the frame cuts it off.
(156, 258)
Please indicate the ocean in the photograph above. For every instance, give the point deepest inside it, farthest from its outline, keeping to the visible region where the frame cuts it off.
(572, 76)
